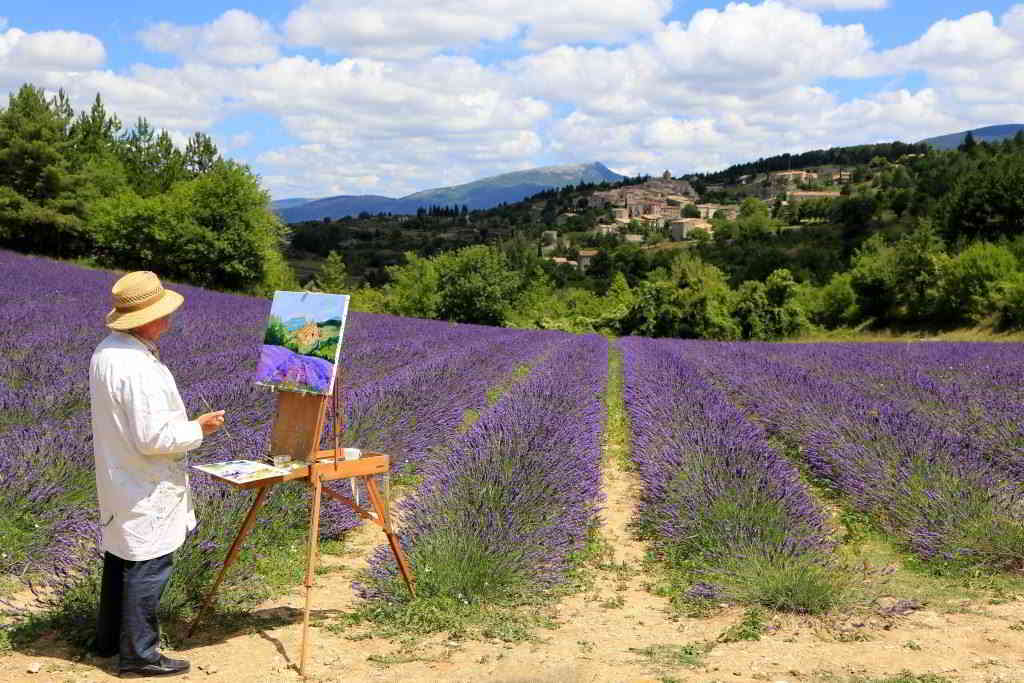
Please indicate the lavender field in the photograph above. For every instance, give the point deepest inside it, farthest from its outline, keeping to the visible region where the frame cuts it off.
(740, 446)
(409, 386)
(743, 451)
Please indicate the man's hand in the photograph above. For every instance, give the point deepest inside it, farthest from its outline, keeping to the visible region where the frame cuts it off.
(211, 422)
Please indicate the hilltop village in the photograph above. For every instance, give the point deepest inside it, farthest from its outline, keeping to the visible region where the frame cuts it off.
(671, 208)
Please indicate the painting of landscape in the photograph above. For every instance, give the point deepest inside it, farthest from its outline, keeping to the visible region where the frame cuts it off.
(302, 341)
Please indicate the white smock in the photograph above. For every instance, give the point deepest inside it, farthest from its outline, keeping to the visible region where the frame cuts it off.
(140, 436)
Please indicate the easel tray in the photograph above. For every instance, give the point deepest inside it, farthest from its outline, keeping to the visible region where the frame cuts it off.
(327, 467)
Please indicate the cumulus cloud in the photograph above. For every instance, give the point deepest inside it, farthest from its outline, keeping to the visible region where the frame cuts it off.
(589, 80)
(973, 39)
(43, 50)
(406, 29)
(731, 46)
(840, 4)
(235, 37)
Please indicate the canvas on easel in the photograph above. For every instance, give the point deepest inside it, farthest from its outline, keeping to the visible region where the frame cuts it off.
(299, 359)
(302, 342)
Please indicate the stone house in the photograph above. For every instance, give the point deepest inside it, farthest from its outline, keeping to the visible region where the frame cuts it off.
(633, 238)
(586, 256)
(796, 196)
(708, 211)
(678, 200)
(670, 211)
(793, 177)
(682, 228)
(652, 220)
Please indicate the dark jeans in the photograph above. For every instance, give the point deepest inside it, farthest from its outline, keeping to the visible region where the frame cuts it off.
(127, 622)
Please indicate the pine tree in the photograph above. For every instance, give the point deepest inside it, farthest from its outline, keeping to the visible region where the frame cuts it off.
(38, 207)
(332, 277)
(969, 144)
(94, 133)
(200, 154)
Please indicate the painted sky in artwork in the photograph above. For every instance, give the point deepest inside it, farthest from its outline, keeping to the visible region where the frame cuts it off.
(313, 306)
(328, 97)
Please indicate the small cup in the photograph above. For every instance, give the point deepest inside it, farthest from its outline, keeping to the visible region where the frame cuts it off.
(352, 453)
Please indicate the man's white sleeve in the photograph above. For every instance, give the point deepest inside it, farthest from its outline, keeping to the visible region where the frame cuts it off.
(153, 424)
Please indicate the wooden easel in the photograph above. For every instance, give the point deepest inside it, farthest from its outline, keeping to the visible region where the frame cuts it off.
(298, 425)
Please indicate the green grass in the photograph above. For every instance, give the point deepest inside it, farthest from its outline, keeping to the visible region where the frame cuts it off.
(750, 627)
(616, 433)
(670, 656)
(495, 393)
(885, 570)
(965, 334)
(902, 677)
(508, 617)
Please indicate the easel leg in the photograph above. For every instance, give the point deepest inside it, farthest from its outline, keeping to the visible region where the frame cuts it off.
(247, 525)
(311, 557)
(396, 547)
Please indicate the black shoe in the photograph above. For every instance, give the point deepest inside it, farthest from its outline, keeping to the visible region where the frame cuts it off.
(164, 667)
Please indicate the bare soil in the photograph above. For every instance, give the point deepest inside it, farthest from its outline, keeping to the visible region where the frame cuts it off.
(609, 632)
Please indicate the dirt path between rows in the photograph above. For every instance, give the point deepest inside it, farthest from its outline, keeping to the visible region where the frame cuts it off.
(599, 633)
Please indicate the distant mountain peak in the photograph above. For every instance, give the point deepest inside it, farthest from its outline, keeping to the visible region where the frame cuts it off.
(984, 134)
(484, 193)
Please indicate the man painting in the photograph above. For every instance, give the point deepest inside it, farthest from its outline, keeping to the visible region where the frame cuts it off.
(141, 435)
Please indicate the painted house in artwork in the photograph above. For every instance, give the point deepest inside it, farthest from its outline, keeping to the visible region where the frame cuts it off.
(308, 335)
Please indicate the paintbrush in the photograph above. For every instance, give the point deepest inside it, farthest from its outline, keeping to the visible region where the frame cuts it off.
(209, 409)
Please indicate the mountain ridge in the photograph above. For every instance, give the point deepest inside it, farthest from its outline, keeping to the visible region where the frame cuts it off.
(484, 193)
(984, 134)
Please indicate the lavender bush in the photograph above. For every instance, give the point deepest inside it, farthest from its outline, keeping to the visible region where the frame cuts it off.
(717, 498)
(927, 483)
(507, 506)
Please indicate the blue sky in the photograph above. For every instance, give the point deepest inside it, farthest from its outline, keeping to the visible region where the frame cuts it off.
(388, 97)
(313, 306)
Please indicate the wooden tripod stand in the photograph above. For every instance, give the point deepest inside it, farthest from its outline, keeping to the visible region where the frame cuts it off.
(298, 426)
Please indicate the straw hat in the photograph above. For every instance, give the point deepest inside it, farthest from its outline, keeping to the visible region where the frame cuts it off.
(139, 298)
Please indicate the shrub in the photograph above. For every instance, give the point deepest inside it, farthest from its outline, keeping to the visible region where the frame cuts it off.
(969, 281)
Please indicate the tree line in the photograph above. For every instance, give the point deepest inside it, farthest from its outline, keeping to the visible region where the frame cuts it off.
(929, 241)
(84, 186)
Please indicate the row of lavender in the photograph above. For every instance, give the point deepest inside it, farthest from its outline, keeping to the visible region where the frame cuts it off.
(407, 384)
(975, 389)
(508, 505)
(890, 440)
(717, 497)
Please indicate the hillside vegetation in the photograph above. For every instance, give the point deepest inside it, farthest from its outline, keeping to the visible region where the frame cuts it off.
(913, 239)
(84, 186)
(891, 236)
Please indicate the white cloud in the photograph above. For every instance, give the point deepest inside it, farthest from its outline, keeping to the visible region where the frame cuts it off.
(408, 29)
(667, 132)
(840, 4)
(236, 37)
(594, 80)
(971, 40)
(55, 50)
(729, 47)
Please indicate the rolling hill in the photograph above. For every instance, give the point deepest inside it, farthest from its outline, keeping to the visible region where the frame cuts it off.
(479, 194)
(986, 134)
